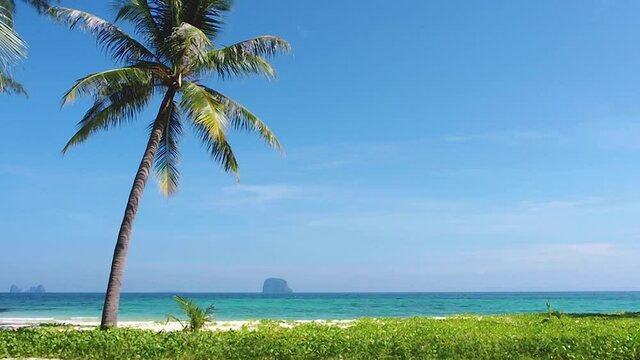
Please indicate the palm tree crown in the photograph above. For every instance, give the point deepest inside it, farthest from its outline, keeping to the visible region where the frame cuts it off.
(176, 52)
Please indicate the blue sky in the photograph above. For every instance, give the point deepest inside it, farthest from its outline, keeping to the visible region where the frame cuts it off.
(430, 146)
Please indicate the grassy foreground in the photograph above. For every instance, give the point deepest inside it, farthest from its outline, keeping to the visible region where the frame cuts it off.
(464, 337)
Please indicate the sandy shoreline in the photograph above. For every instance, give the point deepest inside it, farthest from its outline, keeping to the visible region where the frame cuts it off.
(218, 325)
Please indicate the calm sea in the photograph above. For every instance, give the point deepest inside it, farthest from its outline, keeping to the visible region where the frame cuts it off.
(150, 306)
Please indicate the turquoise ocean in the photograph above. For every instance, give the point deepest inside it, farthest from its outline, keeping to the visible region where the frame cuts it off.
(243, 306)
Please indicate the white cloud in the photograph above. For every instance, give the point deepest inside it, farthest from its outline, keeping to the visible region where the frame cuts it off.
(556, 255)
(563, 203)
(511, 137)
(242, 195)
(330, 164)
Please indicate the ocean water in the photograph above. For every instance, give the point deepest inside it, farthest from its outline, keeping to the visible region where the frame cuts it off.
(155, 306)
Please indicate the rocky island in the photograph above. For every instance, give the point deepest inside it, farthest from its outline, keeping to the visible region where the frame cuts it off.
(34, 289)
(37, 289)
(276, 286)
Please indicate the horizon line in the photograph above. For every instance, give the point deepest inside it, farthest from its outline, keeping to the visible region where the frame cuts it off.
(331, 292)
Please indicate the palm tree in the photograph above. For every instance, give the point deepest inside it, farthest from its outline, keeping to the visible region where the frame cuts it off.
(176, 51)
(197, 317)
(13, 48)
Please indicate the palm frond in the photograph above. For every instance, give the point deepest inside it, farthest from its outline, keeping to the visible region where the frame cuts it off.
(142, 15)
(95, 84)
(235, 60)
(167, 18)
(13, 48)
(265, 46)
(206, 15)
(114, 105)
(114, 40)
(9, 86)
(243, 119)
(219, 149)
(160, 72)
(188, 44)
(202, 108)
(197, 317)
(7, 8)
(168, 155)
(209, 120)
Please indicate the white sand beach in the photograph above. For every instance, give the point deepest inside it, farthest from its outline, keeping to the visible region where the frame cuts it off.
(222, 325)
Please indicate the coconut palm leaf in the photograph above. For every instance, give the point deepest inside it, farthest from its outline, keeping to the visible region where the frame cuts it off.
(12, 48)
(168, 156)
(110, 80)
(189, 43)
(7, 8)
(122, 47)
(266, 46)
(141, 14)
(209, 120)
(10, 86)
(219, 149)
(114, 106)
(207, 15)
(233, 61)
(244, 58)
(243, 119)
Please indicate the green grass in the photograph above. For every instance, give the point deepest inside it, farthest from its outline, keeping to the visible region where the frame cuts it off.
(464, 337)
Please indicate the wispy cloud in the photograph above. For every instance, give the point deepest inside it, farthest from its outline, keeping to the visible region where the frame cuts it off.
(330, 164)
(608, 134)
(303, 32)
(599, 133)
(552, 254)
(342, 155)
(243, 195)
(511, 137)
(563, 203)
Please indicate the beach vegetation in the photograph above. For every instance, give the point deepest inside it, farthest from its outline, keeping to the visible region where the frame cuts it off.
(551, 314)
(615, 336)
(197, 317)
(174, 51)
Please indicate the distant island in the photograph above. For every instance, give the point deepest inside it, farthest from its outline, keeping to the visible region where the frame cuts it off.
(14, 289)
(276, 286)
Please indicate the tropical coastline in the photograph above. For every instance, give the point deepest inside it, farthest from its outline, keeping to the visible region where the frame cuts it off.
(461, 180)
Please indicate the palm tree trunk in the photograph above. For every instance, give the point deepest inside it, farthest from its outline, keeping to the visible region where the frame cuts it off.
(112, 297)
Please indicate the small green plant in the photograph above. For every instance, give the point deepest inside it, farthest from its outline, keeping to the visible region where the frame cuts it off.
(197, 317)
(551, 314)
(54, 325)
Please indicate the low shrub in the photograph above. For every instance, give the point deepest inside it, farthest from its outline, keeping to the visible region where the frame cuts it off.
(461, 337)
